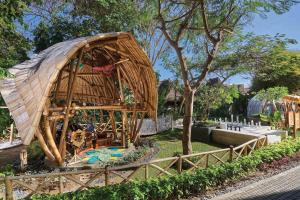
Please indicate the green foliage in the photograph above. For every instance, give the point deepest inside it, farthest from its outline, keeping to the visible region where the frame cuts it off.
(5, 119)
(272, 94)
(13, 45)
(35, 153)
(131, 157)
(72, 19)
(7, 170)
(210, 98)
(187, 183)
(281, 68)
(273, 119)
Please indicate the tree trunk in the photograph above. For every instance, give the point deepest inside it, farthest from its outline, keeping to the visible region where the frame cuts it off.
(187, 121)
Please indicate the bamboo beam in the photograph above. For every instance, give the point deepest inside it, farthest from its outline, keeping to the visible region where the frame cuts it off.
(102, 107)
(62, 145)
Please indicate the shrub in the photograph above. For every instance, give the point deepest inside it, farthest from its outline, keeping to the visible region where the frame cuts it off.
(187, 183)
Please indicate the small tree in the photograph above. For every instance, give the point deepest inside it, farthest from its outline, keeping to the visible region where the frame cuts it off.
(196, 31)
(210, 98)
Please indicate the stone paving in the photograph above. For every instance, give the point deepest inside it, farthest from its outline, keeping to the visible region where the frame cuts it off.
(284, 186)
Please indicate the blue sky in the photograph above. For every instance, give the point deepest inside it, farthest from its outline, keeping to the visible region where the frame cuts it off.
(287, 23)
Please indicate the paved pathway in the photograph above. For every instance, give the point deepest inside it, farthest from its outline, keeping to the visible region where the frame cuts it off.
(284, 186)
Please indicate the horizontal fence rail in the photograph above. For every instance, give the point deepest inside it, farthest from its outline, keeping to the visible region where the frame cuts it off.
(22, 186)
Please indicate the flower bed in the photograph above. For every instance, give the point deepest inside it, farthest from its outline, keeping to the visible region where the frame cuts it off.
(188, 183)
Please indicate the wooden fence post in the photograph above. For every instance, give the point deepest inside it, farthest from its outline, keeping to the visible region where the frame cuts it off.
(179, 165)
(230, 153)
(146, 172)
(106, 175)
(266, 140)
(23, 159)
(61, 184)
(8, 189)
(207, 161)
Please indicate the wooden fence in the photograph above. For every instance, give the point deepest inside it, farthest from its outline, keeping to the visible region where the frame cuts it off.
(59, 182)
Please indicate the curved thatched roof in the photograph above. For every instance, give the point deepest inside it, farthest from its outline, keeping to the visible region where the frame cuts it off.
(35, 80)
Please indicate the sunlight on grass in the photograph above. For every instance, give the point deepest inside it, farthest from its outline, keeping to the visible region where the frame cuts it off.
(170, 143)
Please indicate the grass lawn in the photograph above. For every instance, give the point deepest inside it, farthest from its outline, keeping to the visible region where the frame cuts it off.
(169, 143)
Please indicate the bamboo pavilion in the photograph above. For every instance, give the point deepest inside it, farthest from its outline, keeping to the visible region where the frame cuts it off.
(89, 73)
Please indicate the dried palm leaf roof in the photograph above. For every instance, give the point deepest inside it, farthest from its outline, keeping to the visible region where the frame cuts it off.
(35, 80)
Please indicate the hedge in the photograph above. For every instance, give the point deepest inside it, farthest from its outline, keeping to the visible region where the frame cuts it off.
(187, 183)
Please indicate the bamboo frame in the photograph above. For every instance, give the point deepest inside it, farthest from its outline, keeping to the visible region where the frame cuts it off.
(72, 79)
(58, 80)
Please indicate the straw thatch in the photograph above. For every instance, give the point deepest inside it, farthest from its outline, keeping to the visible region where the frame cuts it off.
(46, 76)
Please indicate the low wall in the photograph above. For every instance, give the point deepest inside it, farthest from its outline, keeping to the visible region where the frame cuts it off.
(149, 127)
(229, 137)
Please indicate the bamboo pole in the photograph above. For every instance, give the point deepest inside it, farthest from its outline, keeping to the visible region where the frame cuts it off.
(62, 144)
(51, 142)
(11, 133)
(101, 107)
(113, 123)
(230, 153)
(106, 175)
(43, 144)
(139, 127)
(124, 129)
(179, 165)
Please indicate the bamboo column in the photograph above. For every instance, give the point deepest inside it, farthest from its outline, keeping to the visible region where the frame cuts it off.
(124, 113)
(44, 145)
(62, 144)
(113, 122)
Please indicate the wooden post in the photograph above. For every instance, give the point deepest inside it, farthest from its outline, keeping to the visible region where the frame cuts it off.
(23, 159)
(231, 153)
(246, 150)
(106, 174)
(146, 172)
(295, 124)
(179, 165)
(8, 189)
(11, 134)
(266, 140)
(62, 141)
(61, 185)
(207, 161)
